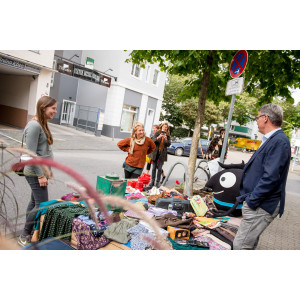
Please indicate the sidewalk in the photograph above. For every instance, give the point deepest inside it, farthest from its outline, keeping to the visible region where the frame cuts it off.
(65, 138)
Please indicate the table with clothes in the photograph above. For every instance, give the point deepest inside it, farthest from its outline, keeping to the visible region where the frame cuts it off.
(70, 220)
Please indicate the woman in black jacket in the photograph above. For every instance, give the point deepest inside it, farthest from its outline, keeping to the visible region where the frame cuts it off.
(162, 141)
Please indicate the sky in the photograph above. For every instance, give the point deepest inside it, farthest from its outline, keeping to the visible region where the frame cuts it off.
(296, 96)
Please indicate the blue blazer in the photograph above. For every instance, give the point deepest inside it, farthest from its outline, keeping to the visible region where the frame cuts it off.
(264, 176)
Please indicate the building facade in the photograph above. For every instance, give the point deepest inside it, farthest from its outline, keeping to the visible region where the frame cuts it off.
(25, 76)
(98, 91)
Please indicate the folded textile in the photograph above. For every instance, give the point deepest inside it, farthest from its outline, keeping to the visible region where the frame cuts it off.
(230, 227)
(118, 231)
(213, 245)
(136, 232)
(206, 222)
(135, 195)
(139, 200)
(223, 236)
(170, 220)
(235, 221)
(164, 232)
(133, 214)
(228, 231)
(157, 211)
(58, 220)
(183, 246)
(43, 207)
(84, 239)
(217, 240)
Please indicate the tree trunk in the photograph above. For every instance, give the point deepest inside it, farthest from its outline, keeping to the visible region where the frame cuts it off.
(198, 123)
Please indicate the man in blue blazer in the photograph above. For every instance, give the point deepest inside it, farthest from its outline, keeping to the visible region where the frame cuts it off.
(262, 189)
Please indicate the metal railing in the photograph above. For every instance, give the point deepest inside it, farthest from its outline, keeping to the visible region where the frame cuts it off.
(86, 118)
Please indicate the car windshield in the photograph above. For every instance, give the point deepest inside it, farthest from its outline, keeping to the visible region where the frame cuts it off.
(186, 140)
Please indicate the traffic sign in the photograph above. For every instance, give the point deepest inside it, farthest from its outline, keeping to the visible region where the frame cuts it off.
(234, 86)
(238, 63)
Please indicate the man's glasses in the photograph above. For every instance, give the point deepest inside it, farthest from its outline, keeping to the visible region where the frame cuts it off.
(259, 117)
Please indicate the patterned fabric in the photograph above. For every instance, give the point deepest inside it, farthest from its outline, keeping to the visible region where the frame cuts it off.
(183, 246)
(58, 220)
(85, 239)
(44, 207)
(135, 233)
(212, 244)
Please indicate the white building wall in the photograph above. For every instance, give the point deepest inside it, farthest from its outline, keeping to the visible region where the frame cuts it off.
(38, 88)
(114, 105)
(115, 60)
(157, 112)
(143, 109)
(43, 58)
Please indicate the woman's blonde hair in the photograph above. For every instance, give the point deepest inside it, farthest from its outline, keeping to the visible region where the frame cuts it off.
(162, 124)
(135, 127)
(41, 106)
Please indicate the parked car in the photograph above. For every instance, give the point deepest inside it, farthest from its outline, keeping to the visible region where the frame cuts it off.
(183, 147)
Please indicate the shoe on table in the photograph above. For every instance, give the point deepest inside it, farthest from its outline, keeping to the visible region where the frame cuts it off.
(24, 240)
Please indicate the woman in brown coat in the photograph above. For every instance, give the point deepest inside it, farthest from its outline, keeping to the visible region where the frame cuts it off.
(162, 141)
(137, 146)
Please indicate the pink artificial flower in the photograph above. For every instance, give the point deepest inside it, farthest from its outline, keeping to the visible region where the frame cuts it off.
(177, 182)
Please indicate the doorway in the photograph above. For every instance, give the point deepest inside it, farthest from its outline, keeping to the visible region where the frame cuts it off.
(68, 112)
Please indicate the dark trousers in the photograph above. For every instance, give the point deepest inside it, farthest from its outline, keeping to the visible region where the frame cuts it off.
(156, 165)
(39, 194)
(130, 174)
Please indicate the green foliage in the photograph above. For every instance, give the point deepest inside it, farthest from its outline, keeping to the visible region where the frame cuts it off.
(181, 132)
(172, 110)
(245, 108)
(269, 73)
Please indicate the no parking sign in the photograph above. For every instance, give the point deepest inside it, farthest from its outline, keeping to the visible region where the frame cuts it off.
(238, 63)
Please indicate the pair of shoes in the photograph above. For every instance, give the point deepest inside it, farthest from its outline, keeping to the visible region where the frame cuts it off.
(162, 180)
(24, 240)
(149, 187)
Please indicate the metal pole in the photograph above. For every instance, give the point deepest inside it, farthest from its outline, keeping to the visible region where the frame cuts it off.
(224, 146)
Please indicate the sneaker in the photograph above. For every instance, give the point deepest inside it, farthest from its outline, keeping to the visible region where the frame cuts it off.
(24, 240)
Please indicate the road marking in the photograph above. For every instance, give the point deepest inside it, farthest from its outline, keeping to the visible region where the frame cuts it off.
(11, 138)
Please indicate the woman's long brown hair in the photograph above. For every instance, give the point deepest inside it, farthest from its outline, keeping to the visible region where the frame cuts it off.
(41, 105)
(161, 125)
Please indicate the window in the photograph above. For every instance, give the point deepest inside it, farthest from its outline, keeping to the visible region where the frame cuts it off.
(136, 71)
(129, 116)
(53, 73)
(148, 74)
(155, 77)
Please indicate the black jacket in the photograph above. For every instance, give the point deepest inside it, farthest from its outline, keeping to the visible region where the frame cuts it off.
(163, 151)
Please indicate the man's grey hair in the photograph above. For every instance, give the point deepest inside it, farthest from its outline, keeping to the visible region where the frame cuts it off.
(274, 112)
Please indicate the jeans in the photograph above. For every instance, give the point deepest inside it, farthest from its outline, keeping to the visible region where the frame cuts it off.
(156, 164)
(253, 224)
(39, 194)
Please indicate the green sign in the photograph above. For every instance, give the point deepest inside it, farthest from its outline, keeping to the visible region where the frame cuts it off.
(89, 63)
